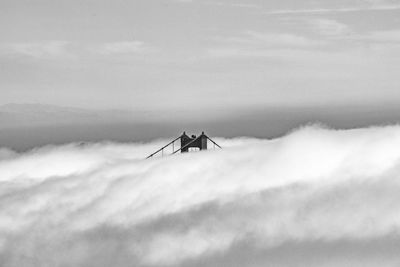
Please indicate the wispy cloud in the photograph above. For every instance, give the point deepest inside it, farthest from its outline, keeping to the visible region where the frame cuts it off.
(238, 5)
(68, 49)
(364, 5)
(270, 39)
(221, 4)
(281, 39)
(328, 27)
(126, 47)
(334, 10)
(44, 49)
(254, 43)
(324, 27)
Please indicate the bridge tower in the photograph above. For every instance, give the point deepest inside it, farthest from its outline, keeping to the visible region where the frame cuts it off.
(193, 141)
(186, 142)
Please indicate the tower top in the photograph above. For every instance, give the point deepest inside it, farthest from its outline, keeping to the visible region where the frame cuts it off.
(187, 144)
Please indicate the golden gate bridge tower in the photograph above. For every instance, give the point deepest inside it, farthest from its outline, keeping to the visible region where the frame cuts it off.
(186, 144)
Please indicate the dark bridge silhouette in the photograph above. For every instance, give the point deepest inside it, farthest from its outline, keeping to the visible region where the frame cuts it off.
(187, 143)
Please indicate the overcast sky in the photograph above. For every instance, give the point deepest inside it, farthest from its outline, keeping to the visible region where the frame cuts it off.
(185, 54)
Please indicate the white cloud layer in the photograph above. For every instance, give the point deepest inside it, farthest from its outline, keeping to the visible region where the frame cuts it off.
(121, 47)
(45, 49)
(103, 205)
(371, 7)
(66, 49)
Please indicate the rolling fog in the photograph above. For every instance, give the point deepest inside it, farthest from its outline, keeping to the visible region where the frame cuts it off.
(325, 197)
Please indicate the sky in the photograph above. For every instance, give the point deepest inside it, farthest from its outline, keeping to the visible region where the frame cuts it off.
(89, 88)
(182, 55)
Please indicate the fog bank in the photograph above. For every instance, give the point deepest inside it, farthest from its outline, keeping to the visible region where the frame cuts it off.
(252, 203)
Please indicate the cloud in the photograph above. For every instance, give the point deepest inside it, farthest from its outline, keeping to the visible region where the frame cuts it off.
(103, 205)
(67, 49)
(221, 4)
(256, 44)
(234, 5)
(328, 27)
(281, 39)
(183, 1)
(44, 49)
(366, 6)
(121, 47)
(356, 6)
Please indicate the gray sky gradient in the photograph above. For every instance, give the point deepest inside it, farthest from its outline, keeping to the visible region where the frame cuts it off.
(171, 55)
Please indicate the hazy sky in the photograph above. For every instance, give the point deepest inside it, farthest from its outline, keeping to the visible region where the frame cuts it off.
(171, 54)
